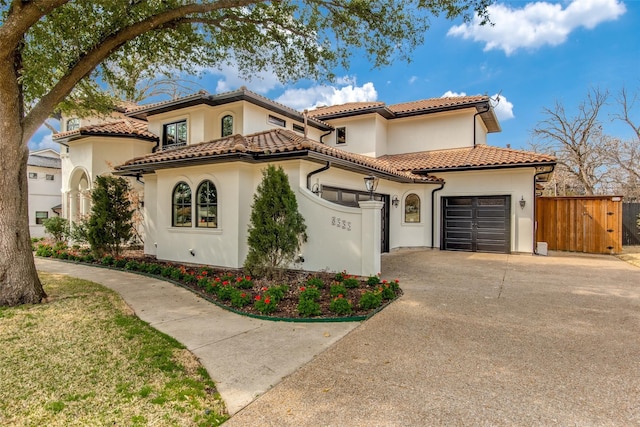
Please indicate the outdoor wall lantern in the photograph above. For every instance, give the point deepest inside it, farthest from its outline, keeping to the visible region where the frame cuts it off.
(371, 183)
(395, 201)
(192, 252)
(522, 202)
(316, 189)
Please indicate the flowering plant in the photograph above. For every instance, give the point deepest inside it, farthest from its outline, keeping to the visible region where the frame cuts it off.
(341, 305)
(265, 304)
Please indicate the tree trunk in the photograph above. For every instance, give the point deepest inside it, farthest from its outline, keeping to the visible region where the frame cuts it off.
(19, 283)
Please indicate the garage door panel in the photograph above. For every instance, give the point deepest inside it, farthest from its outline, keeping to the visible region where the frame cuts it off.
(477, 224)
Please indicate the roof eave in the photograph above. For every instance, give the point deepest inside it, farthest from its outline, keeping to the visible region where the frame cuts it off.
(484, 167)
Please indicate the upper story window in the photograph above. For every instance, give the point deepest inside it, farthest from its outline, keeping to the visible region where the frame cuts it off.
(298, 128)
(41, 217)
(73, 124)
(174, 134)
(412, 208)
(207, 205)
(277, 121)
(33, 175)
(226, 125)
(181, 205)
(50, 177)
(341, 135)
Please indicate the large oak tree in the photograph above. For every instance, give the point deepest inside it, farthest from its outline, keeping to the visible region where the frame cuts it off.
(57, 55)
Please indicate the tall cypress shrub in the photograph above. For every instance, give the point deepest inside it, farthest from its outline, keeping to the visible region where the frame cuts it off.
(110, 224)
(277, 230)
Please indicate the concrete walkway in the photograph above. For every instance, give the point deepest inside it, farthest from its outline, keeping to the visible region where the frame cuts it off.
(244, 356)
(479, 339)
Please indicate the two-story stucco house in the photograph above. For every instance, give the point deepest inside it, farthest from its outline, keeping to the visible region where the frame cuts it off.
(44, 174)
(199, 160)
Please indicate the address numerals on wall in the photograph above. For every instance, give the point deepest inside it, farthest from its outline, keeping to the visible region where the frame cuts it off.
(341, 223)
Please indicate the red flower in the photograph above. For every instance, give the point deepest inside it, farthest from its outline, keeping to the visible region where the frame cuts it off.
(302, 288)
(238, 279)
(243, 295)
(397, 281)
(340, 296)
(264, 288)
(267, 300)
(258, 297)
(247, 277)
(217, 279)
(204, 272)
(199, 277)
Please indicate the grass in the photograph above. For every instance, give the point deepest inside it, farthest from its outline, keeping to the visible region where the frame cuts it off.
(83, 358)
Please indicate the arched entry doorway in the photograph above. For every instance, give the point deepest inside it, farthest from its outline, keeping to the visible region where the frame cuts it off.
(78, 198)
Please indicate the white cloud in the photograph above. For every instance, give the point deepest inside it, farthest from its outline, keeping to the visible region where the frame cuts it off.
(501, 106)
(413, 79)
(328, 95)
(503, 109)
(537, 24)
(261, 82)
(43, 139)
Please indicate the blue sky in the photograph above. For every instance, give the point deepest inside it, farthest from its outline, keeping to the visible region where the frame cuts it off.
(536, 53)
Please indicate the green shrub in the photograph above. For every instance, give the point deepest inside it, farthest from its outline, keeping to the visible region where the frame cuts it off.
(57, 227)
(166, 271)
(203, 282)
(341, 305)
(153, 268)
(224, 291)
(88, 258)
(311, 293)
(189, 278)
(308, 307)
(44, 250)
(240, 298)
(132, 265)
(387, 292)
(337, 289)
(316, 282)
(340, 276)
(277, 292)
(370, 300)
(373, 280)
(265, 304)
(351, 282)
(244, 282)
(120, 262)
(108, 260)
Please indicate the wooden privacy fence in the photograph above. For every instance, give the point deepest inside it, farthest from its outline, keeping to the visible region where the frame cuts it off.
(591, 224)
(630, 228)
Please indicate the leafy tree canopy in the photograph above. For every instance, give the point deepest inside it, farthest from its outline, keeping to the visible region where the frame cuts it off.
(76, 47)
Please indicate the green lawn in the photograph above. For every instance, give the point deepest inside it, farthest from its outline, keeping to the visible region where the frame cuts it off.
(83, 358)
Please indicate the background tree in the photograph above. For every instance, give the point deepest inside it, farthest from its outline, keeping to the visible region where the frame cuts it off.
(57, 227)
(576, 140)
(277, 229)
(52, 56)
(110, 224)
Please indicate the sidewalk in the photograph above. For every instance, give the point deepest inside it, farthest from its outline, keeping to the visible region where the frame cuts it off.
(244, 356)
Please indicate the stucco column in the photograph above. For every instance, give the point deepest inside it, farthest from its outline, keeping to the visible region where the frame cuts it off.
(85, 208)
(73, 206)
(371, 236)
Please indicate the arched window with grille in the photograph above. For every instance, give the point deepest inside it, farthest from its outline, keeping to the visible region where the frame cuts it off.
(181, 205)
(226, 124)
(412, 208)
(207, 209)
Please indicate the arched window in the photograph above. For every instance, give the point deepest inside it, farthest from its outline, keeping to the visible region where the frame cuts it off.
(207, 205)
(73, 124)
(227, 125)
(412, 208)
(181, 205)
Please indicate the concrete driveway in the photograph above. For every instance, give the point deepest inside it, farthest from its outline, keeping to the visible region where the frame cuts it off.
(479, 339)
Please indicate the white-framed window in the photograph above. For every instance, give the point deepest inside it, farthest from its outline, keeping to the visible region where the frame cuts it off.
(50, 177)
(298, 128)
(412, 208)
(73, 124)
(174, 134)
(341, 135)
(41, 216)
(277, 121)
(33, 175)
(181, 205)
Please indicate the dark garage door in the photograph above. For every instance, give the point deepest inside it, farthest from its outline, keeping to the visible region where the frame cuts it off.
(476, 224)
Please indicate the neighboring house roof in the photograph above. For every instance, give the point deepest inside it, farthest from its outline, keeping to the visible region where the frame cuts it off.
(242, 94)
(44, 161)
(455, 159)
(275, 144)
(413, 108)
(127, 127)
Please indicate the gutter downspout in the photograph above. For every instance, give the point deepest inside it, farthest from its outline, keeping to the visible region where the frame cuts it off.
(310, 174)
(433, 212)
(474, 122)
(325, 134)
(535, 207)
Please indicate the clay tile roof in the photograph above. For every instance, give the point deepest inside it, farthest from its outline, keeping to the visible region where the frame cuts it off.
(350, 107)
(271, 142)
(436, 103)
(126, 126)
(481, 156)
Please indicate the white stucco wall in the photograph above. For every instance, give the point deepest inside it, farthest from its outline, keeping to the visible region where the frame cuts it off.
(431, 132)
(43, 195)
